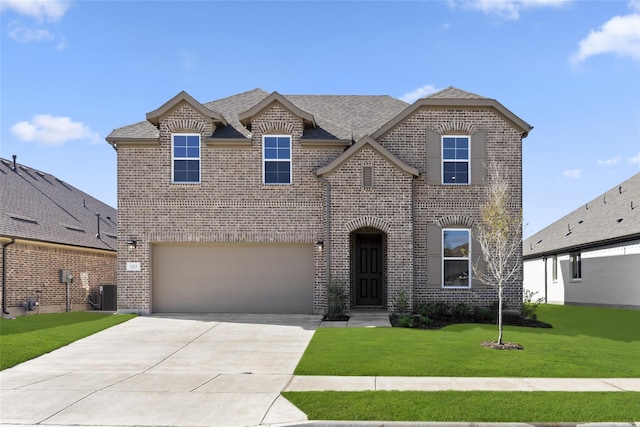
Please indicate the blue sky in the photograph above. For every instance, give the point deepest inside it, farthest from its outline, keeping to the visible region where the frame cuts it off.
(71, 71)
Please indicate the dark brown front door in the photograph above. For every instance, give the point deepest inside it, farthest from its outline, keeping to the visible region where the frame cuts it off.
(368, 269)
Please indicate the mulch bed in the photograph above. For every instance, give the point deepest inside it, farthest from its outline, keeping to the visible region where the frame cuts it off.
(503, 346)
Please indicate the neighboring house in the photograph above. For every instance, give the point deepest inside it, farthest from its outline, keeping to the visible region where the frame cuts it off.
(251, 203)
(592, 255)
(47, 225)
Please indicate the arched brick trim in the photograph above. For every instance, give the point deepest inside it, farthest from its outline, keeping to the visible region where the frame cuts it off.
(186, 124)
(459, 220)
(456, 127)
(368, 221)
(276, 126)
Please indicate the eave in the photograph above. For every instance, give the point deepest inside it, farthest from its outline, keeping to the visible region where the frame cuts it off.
(155, 115)
(246, 117)
(517, 122)
(375, 145)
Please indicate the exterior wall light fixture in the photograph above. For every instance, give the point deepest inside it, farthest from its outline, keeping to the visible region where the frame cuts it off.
(132, 244)
(319, 244)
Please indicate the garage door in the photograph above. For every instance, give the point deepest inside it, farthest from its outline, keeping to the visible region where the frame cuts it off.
(233, 278)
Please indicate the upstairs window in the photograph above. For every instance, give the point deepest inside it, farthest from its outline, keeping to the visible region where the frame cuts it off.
(276, 153)
(455, 160)
(185, 149)
(456, 258)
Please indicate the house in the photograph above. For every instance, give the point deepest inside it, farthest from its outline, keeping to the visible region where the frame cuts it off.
(592, 255)
(253, 202)
(58, 243)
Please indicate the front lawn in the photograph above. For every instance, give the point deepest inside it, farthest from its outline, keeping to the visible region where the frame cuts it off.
(470, 406)
(585, 342)
(27, 337)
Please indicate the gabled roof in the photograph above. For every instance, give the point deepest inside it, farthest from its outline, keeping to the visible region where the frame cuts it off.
(155, 115)
(35, 205)
(246, 117)
(375, 145)
(453, 97)
(340, 118)
(612, 217)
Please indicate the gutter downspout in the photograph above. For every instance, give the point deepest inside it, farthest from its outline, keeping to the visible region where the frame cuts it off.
(413, 232)
(544, 258)
(327, 238)
(4, 275)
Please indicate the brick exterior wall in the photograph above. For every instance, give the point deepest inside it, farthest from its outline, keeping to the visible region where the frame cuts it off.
(35, 267)
(231, 204)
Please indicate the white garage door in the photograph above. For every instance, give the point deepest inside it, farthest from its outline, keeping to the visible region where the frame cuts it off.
(233, 278)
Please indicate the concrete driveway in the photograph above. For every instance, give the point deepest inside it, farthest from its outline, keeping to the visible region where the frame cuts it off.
(200, 370)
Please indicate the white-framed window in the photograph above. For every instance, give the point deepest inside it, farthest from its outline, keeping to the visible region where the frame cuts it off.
(276, 159)
(185, 158)
(554, 268)
(576, 265)
(455, 159)
(456, 258)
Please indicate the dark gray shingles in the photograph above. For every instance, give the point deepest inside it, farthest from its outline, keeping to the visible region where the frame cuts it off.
(455, 93)
(337, 116)
(608, 217)
(38, 206)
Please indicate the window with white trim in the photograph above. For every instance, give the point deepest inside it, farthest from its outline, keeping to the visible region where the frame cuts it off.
(276, 159)
(185, 152)
(456, 258)
(554, 268)
(576, 266)
(455, 159)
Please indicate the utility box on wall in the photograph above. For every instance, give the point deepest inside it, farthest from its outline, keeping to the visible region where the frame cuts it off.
(64, 275)
(109, 297)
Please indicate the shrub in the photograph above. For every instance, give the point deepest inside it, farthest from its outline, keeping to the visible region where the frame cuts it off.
(483, 315)
(337, 299)
(406, 321)
(529, 306)
(401, 303)
(462, 312)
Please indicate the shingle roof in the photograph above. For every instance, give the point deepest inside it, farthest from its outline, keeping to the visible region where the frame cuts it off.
(455, 93)
(337, 116)
(611, 217)
(35, 205)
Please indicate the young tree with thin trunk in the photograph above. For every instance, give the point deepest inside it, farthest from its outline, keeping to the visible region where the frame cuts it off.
(499, 234)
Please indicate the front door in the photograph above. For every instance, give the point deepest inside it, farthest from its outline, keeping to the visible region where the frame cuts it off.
(368, 278)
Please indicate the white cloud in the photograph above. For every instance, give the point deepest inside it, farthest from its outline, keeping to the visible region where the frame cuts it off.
(508, 9)
(620, 35)
(416, 94)
(634, 5)
(52, 130)
(25, 35)
(572, 173)
(609, 162)
(49, 10)
(635, 160)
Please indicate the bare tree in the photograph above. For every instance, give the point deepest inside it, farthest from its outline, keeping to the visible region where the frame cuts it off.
(499, 234)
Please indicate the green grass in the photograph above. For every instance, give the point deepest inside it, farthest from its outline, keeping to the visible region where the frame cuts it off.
(449, 406)
(28, 337)
(584, 342)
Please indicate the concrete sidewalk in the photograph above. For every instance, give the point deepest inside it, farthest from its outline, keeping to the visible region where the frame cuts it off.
(337, 383)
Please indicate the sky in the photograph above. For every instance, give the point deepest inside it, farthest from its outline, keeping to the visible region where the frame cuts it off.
(72, 71)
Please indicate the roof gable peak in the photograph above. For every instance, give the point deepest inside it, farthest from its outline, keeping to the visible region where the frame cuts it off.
(155, 115)
(246, 117)
(376, 146)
